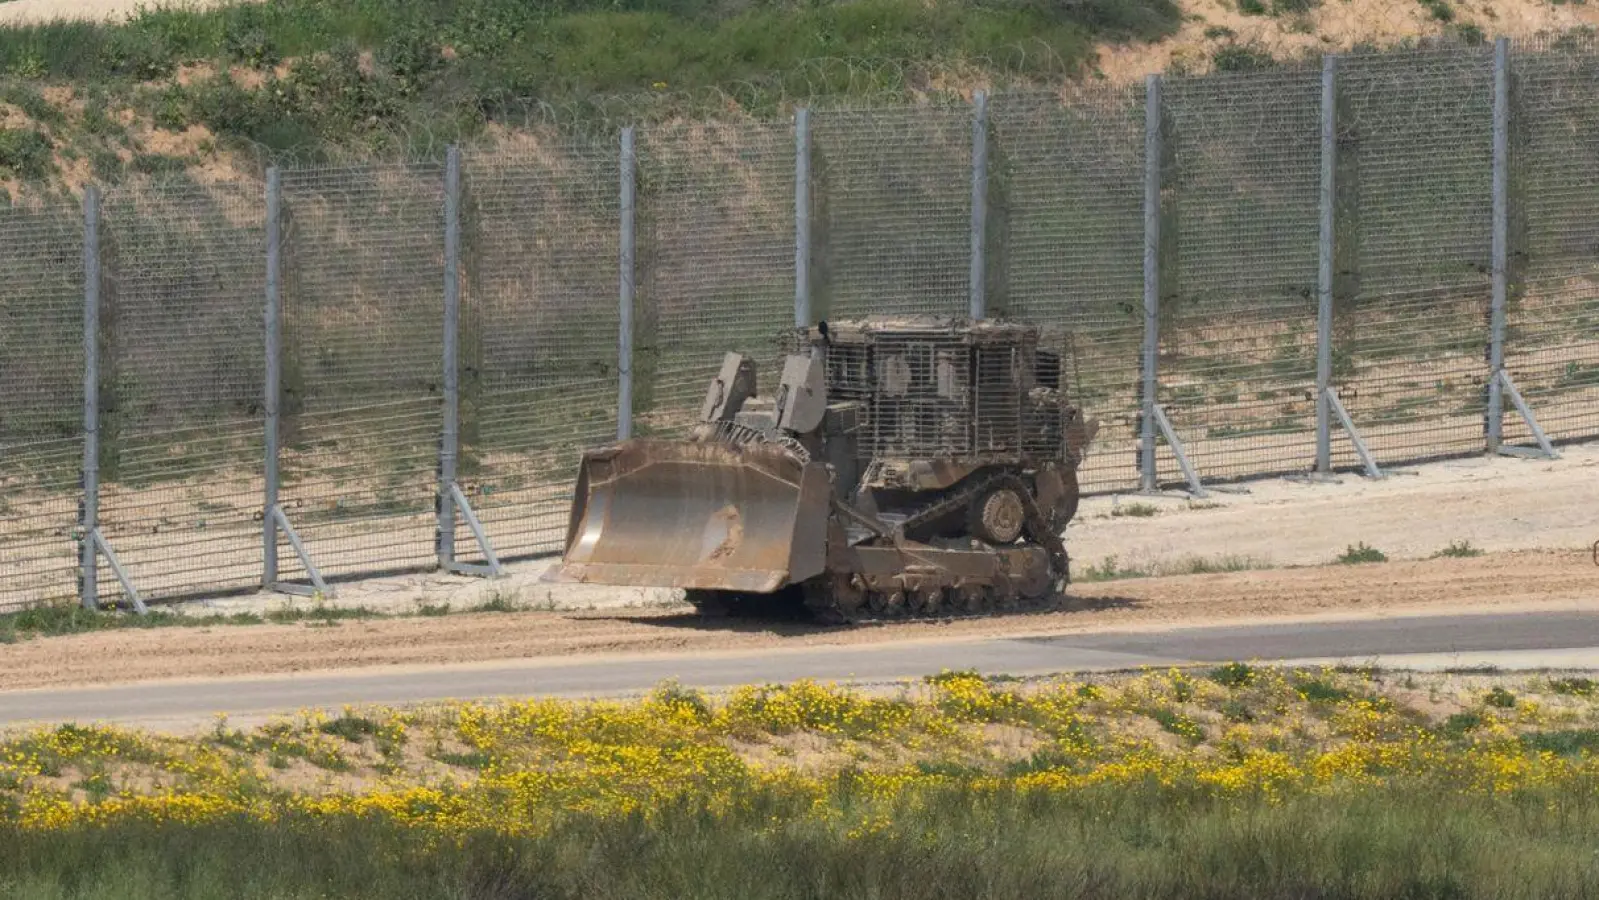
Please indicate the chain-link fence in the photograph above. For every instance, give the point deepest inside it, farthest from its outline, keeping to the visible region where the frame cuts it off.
(362, 370)
(1066, 229)
(1552, 347)
(539, 334)
(1238, 312)
(1292, 258)
(893, 210)
(41, 403)
(716, 261)
(1416, 160)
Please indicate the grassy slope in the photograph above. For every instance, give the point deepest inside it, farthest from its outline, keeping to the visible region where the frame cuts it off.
(300, 74)
(175, 89)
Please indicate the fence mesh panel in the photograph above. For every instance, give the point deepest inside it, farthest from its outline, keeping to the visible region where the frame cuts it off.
(1415, 231)
(893, 210)
(539, 334)
(1552, 313)
(1066, 190)
(183, 268)
(41, 403)
(363, 314)
(1238, 311)
(181, 426)
(716, 261)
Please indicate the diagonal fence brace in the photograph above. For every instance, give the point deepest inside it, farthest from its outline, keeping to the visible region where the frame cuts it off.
(318, 585)
(102, 547)
(1545, 449)
(1195, 487)
(492, 569)
(1367, 461)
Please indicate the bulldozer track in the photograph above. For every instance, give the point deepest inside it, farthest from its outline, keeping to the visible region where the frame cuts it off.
(1005, 608)
(876, 608)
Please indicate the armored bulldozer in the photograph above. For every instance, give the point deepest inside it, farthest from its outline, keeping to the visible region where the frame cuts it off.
(901, 467)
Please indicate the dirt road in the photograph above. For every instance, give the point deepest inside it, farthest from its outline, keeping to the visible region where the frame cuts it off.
(1503, 582)
(1549, 640)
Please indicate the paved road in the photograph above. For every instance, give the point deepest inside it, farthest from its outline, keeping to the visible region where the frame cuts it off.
(1532, 640)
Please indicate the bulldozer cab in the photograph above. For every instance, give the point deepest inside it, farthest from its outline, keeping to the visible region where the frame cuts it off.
(932, 387)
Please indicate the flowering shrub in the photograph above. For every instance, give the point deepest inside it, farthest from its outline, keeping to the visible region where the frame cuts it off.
(840, 756)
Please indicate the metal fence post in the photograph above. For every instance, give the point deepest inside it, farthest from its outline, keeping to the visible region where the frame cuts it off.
(1501, 212)
(449, 445)
(802, 217)
(1152, 169)
(273, 387)
(977, 289)
(1324, 274)
(624, 358)
(88, 560)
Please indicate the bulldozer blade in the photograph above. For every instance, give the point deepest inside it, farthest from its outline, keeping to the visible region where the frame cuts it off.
(712, 516)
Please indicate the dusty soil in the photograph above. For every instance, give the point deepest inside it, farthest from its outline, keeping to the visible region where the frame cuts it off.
(1329, 28)
(1494, 504)
(1510, 580)
(17, 12)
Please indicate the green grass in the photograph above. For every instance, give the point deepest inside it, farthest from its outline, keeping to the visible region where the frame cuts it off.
(67, 618)
(1317, 690)
(1574, 687)
(1135, 510)
(1572, 742)
(1458, 550)
(351, 728)
(1500, 698)
(1360, 553)
(64, 619)
(1176, 723)
(1413, 842)
(25, 153)
(1458, 725)
(1439, 9)
(1233, 674)
(1276, 7)
(1242, 58)
(353, 68)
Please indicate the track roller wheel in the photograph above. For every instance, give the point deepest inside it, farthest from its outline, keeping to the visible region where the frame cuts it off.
(834, 599)
(999, 515)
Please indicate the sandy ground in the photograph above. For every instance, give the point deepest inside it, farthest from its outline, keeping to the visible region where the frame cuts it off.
(1510, 581)
(1209, 25)
(1536, 519)
(1496, 504)
(17, 12)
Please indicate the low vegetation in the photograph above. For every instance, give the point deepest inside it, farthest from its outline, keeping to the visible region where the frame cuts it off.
(1458, 550)
(1112, 568)
(68, 618)
(1238, 781)
(383, 76)
(1358, 554)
